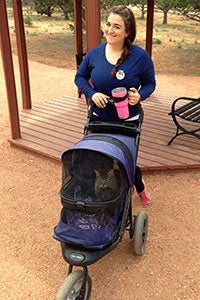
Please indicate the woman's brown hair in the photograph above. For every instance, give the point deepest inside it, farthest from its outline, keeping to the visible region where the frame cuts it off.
(130, 26)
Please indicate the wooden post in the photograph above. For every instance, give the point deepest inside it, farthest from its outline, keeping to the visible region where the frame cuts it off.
(149, 26)
(22, 54)
(7, 60)
(78, 26)
(93, 23)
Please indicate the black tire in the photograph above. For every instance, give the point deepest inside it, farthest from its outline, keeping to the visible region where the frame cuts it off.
(71, 287)
(140, 232)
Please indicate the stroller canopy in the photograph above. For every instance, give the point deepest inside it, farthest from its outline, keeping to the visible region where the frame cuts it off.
(119, 147)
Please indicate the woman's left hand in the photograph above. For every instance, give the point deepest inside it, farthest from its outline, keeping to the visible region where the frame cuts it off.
(133, 96)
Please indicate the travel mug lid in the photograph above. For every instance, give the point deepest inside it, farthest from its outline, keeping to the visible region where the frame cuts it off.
(119, 94)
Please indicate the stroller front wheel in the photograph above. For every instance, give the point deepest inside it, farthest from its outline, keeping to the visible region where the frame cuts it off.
(140, 232)
(71, 288)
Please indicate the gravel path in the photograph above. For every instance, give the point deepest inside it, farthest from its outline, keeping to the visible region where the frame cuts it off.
(31, 262)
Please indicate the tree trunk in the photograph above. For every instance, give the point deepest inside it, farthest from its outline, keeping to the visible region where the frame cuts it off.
(165, 17)
(143, 11)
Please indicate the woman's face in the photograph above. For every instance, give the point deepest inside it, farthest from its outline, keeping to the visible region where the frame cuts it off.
(114, 31)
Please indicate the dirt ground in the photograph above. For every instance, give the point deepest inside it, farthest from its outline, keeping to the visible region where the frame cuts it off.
(31, 262)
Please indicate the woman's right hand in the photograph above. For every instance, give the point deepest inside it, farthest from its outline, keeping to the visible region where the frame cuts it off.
(100, 100)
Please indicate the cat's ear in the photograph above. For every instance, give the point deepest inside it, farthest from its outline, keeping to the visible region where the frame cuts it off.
(111, 172)
(115, 164)
(96, 172)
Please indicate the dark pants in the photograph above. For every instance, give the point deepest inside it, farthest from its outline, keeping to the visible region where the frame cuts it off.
(139, 185)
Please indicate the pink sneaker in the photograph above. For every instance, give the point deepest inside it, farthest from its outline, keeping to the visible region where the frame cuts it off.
(144, 198)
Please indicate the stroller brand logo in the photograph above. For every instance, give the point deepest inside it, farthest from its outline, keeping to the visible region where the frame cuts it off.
(78, 257)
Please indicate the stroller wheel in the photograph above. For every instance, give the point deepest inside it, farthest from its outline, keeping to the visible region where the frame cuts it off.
(140, 232)
(71, 288)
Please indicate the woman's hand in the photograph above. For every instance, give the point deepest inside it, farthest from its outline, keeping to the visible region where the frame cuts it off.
(133, 96)
(100, 100)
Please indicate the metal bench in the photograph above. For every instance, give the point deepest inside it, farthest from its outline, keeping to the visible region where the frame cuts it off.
(184, 112)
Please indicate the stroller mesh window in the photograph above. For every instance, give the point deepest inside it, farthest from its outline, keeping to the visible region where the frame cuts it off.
(91, 176)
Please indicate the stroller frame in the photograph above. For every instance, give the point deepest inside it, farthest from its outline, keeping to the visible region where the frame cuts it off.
(78, 284)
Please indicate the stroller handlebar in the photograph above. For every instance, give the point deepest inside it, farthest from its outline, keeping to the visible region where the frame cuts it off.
(120, 127)
(111, 102)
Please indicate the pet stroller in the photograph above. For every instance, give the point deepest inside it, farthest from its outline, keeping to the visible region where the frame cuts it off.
(97, 185)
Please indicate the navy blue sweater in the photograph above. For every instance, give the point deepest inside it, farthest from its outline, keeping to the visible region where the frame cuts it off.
(137, 70)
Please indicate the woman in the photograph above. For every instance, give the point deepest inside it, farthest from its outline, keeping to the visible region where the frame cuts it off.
(118, 63)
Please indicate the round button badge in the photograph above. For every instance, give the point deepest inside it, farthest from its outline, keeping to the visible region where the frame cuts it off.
(120, 75)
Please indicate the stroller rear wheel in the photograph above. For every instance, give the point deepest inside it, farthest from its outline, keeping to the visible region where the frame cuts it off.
(71, 288)
(140, 232)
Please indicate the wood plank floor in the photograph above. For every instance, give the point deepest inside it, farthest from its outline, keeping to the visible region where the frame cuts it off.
(51, 127)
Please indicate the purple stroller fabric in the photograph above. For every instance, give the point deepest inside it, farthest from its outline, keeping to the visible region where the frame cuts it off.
(112, 150)
(85, 220)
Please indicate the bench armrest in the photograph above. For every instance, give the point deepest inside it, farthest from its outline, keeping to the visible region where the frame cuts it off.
(189, 111)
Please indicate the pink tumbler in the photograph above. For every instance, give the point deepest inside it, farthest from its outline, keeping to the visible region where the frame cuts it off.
(120, 97)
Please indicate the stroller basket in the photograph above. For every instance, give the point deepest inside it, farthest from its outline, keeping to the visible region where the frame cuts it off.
(91, 228)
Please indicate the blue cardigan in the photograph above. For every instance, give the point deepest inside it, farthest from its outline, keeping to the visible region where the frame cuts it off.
(137, 71)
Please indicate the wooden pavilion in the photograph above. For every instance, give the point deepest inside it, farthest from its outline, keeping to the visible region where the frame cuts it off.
(93, 38)
(33, 119)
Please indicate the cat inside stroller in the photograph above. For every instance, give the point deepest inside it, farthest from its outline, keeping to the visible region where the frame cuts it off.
(97, 186)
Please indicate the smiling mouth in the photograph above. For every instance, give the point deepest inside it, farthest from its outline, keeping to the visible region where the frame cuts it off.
(112, 36)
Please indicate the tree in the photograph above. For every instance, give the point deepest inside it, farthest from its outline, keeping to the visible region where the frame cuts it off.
(142, 5)
(106, 4)
(165, 6)
(189, 8)
(66, 6)
(45, 7)
(27, 2)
